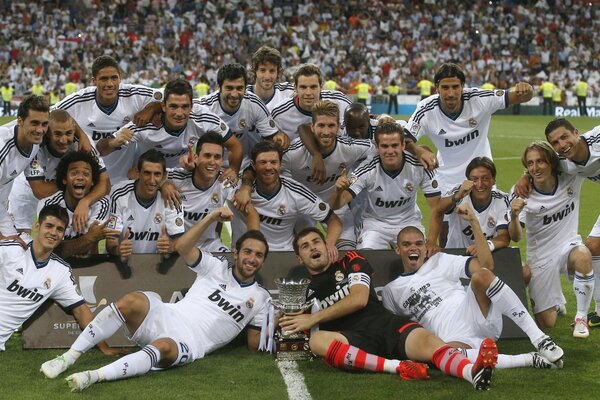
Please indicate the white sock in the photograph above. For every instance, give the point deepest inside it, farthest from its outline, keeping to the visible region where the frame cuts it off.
(583, 287)
(504, 360)
(104, 325)
(131, 365)
(507, 302)
(390, 366)
(596, 267)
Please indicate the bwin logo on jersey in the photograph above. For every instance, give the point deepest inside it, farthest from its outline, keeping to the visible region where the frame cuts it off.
(226, 306)
(465, 139)
(24, 292)
(97, 135)
(334, 298)
(145, 235)
(392, 203)
(195, 216)
(548, 219)
(270, 220)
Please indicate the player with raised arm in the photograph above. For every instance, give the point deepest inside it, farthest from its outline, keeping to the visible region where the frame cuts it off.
(551, 216)
(357, 333)
(430, 292)
(390, 181)
(31, 274)
(175, 334)
(138, 212)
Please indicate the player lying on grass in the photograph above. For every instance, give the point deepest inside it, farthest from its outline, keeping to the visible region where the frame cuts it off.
(430, 292)
(176, 334)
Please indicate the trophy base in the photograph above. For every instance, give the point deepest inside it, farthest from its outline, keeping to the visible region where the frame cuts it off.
(292, 349)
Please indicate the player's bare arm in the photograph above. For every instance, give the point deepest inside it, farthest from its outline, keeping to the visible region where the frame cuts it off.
(522, 93)
(523, 186)
(106, 146)
(87, 242)
(186, 243)
(334, 230)
(514, 226)
(308, 140)
(236, 155)
(425, 156)
(171, 195)
(151, 113)
(242, 199)
(42, 188)
(356, 300)
(341, 196)
(484, 255)
(281, 139)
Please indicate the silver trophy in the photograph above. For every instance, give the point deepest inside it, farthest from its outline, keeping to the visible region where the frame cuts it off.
(292, 300)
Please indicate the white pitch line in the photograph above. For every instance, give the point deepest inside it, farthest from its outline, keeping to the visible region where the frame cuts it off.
(506, 158)
(294, 380)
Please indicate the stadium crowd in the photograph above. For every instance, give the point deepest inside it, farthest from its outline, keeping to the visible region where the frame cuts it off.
(500, 42)
(151, 168)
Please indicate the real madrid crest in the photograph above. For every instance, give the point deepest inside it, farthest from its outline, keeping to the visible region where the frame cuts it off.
(126, 120)
(281, 210)
(339, 276)
(250, 303)
(500, 93)
(472, 122)
(409, 187)
(178, 221)
(242, 122)
(47, 283)
(158, 218)
(491, 222)
(570, 191)
(434, 183)
(215, 198)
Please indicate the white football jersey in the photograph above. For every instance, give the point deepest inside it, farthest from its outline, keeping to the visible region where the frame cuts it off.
(278, 211)
(98, 212)
(283, 91)
(591, 168)
(26, 283)
(492, 218)
(144, 221)
(458, 139)
(199, 202)
(172, 144)
(431, 294)
(217, 307)
(347, 154)
(251, 123)
(391, 199)
(551, 219)
(12, 159)
(289, 116)
(98, 122)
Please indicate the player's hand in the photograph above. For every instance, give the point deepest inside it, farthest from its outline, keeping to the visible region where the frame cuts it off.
(229, 177)
(318, 170)
(222, 214)
(112, 351)
(163, 244)
(332, 251)
(465, 211)
(122, 139)
(242, 199)
(126, 246)
(523, 90)
(83, 143)
(17, 238)
(80, 216)
(342, 183)
(171, 196)
(426, 158)
(291, 324)
(517, 206)
(431, 248)
(188, 161)
(282, 140)
(149, 113)
(96, 231)
(464, 189)
(523, 187)
(472, 250)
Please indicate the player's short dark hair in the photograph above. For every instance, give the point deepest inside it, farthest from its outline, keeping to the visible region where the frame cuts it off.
(308, 70)
(54, 210)
(304, 232)
(266, 54)
(408, 229)
(387, 129)
(547, 152)
(325, 107)
(153, 156)
(449, 70)
(252, 234)
(484, 162)
(74, 156)
(59, 115)
(33, 102)
(264, 147)
(102, 62)
(179, 87)
(558, 123)
(231, 72)
(209, 137)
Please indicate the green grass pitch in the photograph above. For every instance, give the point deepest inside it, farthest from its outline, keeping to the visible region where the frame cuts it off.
(233, 373)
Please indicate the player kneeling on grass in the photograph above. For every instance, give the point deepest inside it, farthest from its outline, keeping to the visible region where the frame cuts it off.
(357, 332)
(179, 333)
(31, 273)
(430, 292)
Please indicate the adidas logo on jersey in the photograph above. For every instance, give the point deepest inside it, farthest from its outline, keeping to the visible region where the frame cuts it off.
(223, 286)
(226, 306)
(542, 208)
(442, 132)
(378, 189)
(13, 173)
(130, 218)
(20, 270)
(24, 292)
(91, 125)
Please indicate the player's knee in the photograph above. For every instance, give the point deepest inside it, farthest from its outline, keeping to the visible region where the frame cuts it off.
(482, 278)
(168, 350)
(526, 274)
(580, 260)
(593, 243)
(546, 319)
(130, 302)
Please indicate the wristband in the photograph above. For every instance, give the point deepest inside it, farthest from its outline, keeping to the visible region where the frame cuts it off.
(491, 245)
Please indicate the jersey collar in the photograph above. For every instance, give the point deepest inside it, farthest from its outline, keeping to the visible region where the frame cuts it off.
(140, 201)
(107, 109)
(393, 174)
(38, 263)
(452, 116)
(171, 132)
(268, 196)
(300, 109)
(544, 193)
(242, 284)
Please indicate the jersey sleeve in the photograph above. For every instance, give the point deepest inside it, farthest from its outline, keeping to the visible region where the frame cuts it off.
(310, 204)
(208, 121)
(389, 301)
(415, 127)
(453, 266)
(264, 122)
(362, 178)
(66, 293)
(359, 269)
(35, 170)
(207, 262)
(174, 221)
(261, 315)
(493, 101)
(430, 183)
(99, 211)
